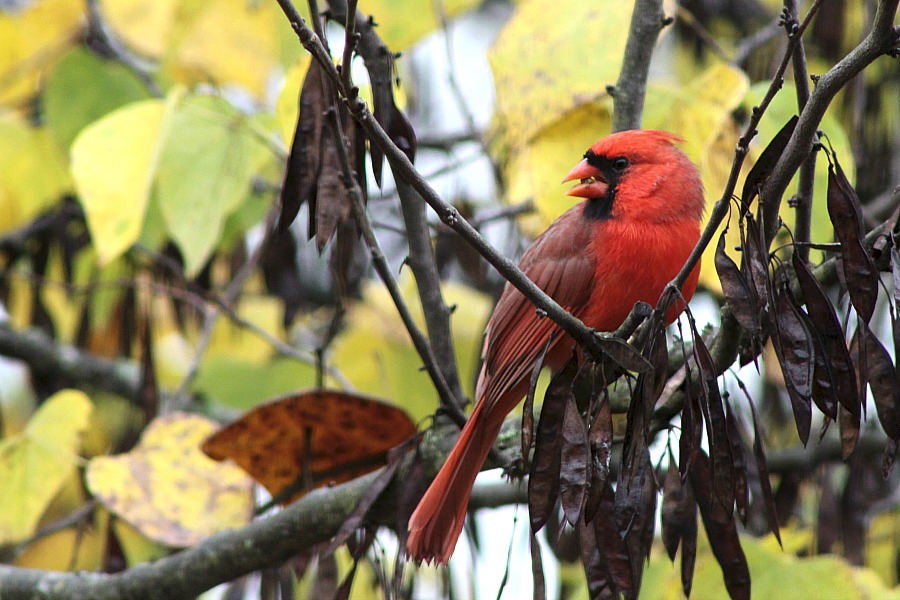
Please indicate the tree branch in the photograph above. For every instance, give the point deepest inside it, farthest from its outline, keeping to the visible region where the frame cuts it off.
(47, 357)
(802, 202)
(721, 207)
(882, 39)
(379, 63)
(647, 20)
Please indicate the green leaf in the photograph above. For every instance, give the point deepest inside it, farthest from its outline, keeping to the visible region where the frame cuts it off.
(401, 23)
(375, 353)
(205, 172)
(113, 162)
(34, 172)
(242, 384)
(35, 464)
(70, 105)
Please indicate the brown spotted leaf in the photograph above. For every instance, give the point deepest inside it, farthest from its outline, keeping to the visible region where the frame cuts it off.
(337, 436)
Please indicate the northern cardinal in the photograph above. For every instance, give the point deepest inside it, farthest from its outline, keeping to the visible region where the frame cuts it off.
(630, 236)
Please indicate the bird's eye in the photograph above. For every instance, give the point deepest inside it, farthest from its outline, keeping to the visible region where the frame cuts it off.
(620, 164)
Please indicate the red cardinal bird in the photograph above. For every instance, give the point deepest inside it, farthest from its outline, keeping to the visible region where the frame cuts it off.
(624, 243)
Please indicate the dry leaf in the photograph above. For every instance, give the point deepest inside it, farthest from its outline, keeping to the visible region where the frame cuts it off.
(339, 436)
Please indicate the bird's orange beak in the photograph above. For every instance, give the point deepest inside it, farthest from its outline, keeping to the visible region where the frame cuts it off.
(591, 184)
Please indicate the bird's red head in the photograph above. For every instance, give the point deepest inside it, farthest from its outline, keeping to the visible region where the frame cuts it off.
(622, 174)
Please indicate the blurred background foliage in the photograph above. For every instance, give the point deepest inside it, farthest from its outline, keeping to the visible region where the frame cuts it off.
(142, 145)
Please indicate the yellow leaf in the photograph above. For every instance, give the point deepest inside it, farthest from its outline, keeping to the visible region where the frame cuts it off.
(206, 170)
(144, 25)
(775, 573)
(18, 401)
(375, 354)
(136, 547)
(534, 172)
(113, 161)
(35, 464)
(401, 23)
(230, 41)
(586, 49)
(229, 339)
(33, 38)
(34, 172)
(700, 112)
(168, 489)
(79, 548)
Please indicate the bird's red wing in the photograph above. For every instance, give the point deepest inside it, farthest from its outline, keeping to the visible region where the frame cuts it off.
(558, 262)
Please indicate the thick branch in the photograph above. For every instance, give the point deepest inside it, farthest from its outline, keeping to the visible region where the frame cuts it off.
(647, 20)
(424, 266)
(882, 38)
(49, 358)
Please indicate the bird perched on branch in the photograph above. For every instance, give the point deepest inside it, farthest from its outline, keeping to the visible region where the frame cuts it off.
(624, 243)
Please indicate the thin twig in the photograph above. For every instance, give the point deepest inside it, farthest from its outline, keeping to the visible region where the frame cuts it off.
(210, 316)
(802, 201)
(384, 271)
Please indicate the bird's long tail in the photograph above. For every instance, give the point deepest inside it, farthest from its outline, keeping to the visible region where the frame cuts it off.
(438, 520)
